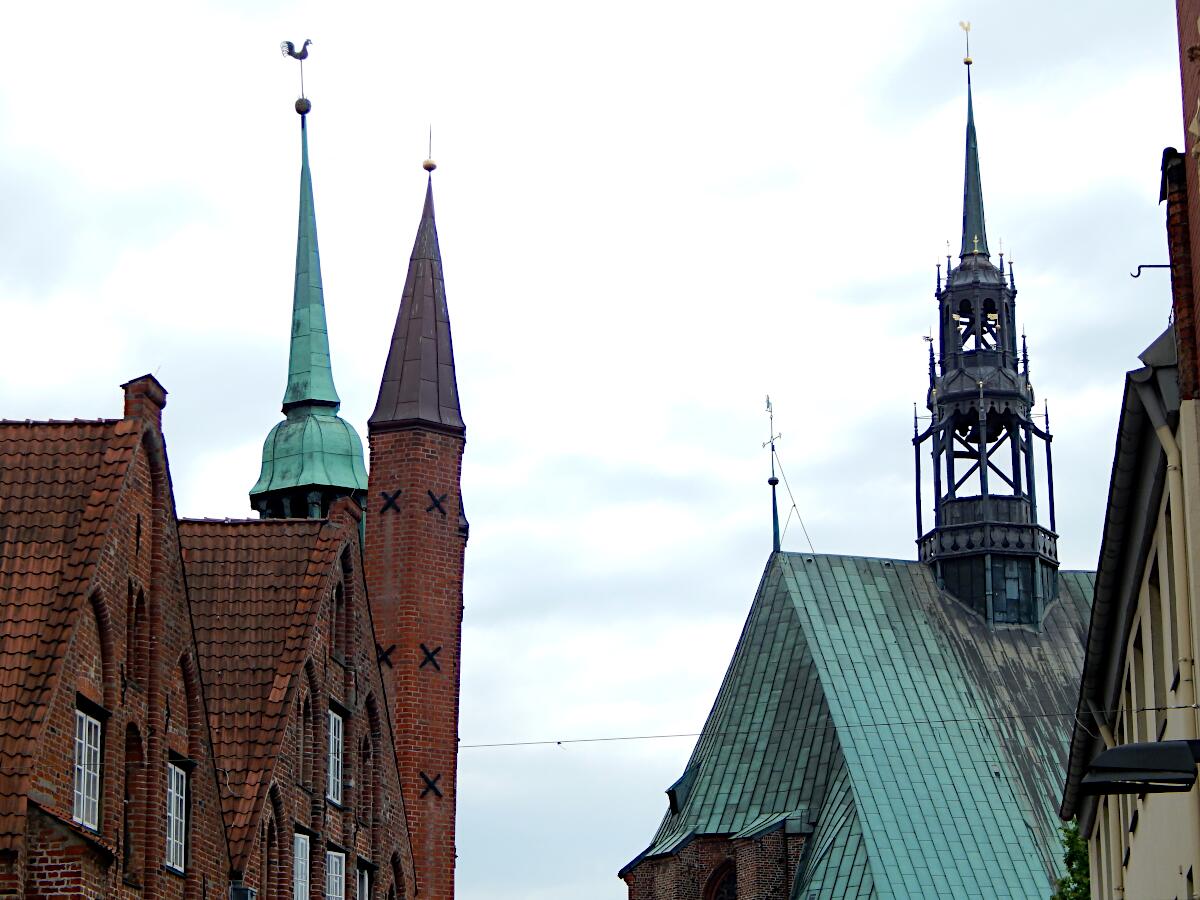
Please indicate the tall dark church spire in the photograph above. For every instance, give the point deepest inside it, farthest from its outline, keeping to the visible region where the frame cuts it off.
(986, 544)
(419, 383)
(974, 233)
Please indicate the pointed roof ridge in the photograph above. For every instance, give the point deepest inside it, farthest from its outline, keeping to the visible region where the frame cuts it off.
(974, 233)
(419, 386)
(310, 373)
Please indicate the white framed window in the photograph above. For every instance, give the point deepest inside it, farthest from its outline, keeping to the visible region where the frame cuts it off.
(300, 866)
(177, 801)
(87, 770)
(335, 875)
(364, 884)
(333, 786)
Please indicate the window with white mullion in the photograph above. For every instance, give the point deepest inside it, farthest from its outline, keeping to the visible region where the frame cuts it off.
(364, 884)
(300, 866)
(177, 784)
(333, 786)
(335, 875)
(87, 770)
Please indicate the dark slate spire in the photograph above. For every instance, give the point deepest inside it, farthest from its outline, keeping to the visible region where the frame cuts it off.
(419, 386)
(310, 377)
(974, 233)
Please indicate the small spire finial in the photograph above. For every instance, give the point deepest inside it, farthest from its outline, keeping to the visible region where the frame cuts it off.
(773, 481)
(429, 165)
(966, 27)
(303, 106)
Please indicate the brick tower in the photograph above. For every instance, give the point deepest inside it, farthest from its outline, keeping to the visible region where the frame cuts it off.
(416, 534)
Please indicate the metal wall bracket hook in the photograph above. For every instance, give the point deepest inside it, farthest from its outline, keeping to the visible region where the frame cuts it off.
(1138, 273)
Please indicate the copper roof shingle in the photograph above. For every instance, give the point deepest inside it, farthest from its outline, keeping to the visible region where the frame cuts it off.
(255, 587)
(58, 483)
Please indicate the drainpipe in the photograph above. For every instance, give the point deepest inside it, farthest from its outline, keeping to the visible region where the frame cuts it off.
(1101, 721)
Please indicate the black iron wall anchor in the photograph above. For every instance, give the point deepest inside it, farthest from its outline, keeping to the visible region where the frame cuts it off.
(430, 657)
(389, 501)
(1138, 273)
(435, 502)
(431, 785)
(384, 656)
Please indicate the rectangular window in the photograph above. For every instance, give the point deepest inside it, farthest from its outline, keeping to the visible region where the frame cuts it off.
(177, 798)
(87, 770)
(364, 884)
(333, 787)
(300, 867)
(335, 876)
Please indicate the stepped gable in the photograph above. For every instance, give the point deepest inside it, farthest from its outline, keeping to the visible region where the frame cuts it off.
(255, 588)
(59, 481)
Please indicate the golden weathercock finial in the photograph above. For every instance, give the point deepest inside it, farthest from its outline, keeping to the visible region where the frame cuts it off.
(966, 27)
(303, 105)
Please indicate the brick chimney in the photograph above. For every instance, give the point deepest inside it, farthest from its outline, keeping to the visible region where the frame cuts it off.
(145, 399)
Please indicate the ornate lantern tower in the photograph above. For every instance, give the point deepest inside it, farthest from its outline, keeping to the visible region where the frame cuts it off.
(986, 544)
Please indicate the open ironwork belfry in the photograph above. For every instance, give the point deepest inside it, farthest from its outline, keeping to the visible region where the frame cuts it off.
(986, 545)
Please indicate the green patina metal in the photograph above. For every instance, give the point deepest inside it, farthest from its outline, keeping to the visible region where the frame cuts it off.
(867, 709)
(974, 234)
(313, 450)
(310, 376)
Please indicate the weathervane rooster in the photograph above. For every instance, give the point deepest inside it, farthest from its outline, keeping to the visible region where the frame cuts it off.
(289, 49)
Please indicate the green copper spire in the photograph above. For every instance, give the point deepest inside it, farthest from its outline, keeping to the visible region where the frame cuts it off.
(310, 377)
(974, 234)
(313, 456)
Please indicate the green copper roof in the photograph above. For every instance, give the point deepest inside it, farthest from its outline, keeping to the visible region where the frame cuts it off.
(913, 743)
(310, 376)
(312, 448)
(974, 235)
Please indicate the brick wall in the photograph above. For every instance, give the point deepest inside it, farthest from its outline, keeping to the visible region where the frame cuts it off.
(414, 565)
(1187, 333)
(369, 825)
(130, 671)
(764, 867)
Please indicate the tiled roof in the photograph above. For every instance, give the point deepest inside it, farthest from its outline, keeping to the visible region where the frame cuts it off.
(58, 482)
(255, 586)
(921, 747)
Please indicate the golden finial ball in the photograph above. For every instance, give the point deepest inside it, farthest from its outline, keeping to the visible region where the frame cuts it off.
(967, 60)
(429, 165)
(303, 105)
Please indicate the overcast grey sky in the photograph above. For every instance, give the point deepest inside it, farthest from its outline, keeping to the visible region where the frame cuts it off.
(651, 215)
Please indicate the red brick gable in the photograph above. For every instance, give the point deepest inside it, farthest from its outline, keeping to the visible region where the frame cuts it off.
(59, 482)
(282, 627)
(255, 586)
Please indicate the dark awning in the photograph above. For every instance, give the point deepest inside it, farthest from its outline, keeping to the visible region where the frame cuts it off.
(1147, 768)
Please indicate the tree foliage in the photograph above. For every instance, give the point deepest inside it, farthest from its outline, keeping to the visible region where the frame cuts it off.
(1077, 884)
